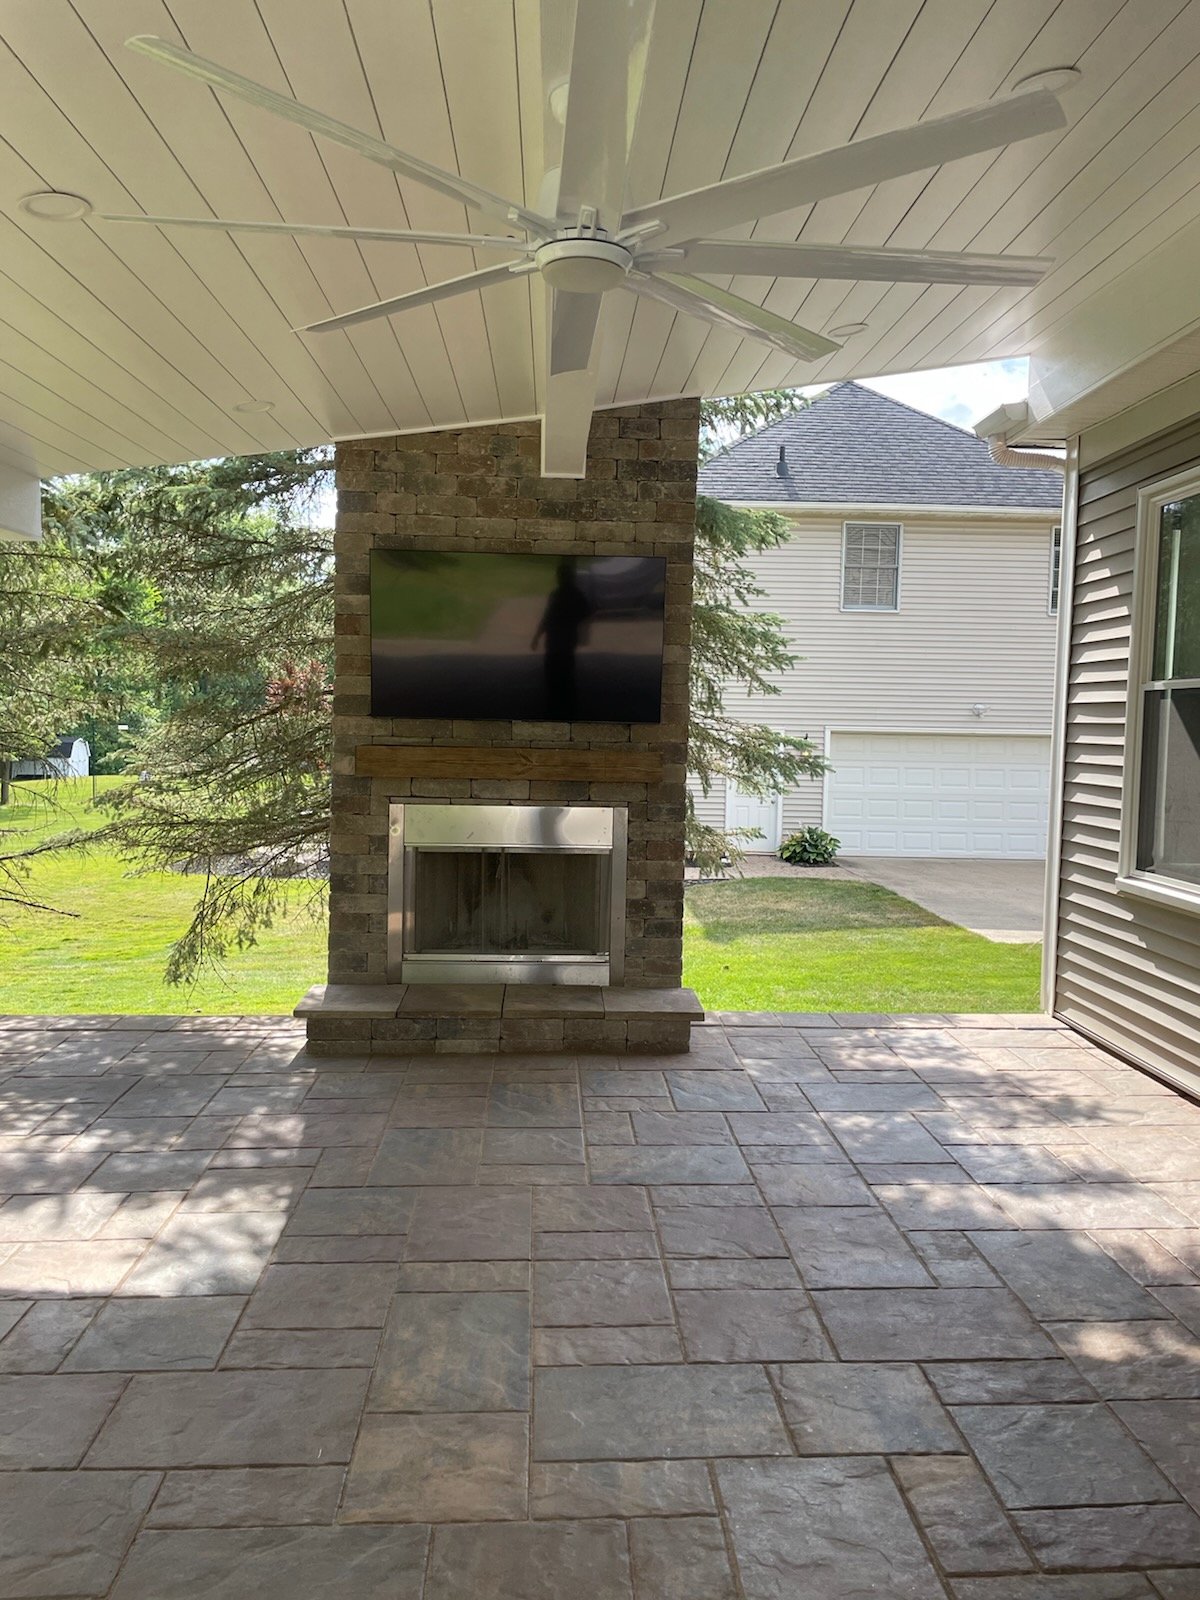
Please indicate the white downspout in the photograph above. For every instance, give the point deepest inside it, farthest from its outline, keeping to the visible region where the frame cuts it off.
(1000, 425)
(1058, 724)
(1003, 454)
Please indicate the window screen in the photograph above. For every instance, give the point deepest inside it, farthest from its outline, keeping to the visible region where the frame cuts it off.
(871, 566)
(1169, 799)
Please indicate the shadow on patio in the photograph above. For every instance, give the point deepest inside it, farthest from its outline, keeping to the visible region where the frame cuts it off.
(829, 1306)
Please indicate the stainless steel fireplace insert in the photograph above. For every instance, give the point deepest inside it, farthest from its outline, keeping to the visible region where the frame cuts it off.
(506, 894)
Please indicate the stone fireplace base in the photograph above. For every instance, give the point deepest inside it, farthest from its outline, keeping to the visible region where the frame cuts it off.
(521, 1019)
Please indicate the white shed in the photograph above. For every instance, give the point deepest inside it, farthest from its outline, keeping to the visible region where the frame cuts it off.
(70, 758)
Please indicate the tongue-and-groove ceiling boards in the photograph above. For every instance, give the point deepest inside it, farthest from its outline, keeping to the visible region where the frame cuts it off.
(135, 342)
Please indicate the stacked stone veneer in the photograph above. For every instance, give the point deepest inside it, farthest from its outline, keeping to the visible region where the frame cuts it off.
(479, 489)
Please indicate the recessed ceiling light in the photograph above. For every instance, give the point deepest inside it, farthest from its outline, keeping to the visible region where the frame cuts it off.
(847, 330)
(254, 405)
(54, 205)
(1048, 78)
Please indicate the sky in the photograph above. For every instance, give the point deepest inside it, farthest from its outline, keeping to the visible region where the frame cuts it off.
(962, 395)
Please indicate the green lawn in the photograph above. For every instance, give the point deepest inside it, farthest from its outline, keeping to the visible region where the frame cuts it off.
(790, 944)
(110, 958)
(753, 944)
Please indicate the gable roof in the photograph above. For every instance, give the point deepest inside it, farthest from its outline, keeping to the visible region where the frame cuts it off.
(853, 446)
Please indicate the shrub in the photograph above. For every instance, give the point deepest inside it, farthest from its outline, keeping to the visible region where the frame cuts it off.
(811, 847)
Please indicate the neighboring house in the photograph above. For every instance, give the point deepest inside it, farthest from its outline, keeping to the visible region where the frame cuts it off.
(70, 758)
(919, 585)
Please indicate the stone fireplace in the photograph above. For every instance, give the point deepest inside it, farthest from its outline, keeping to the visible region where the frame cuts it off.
(609, 934)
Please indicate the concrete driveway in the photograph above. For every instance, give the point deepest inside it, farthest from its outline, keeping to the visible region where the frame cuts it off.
(1002, 900)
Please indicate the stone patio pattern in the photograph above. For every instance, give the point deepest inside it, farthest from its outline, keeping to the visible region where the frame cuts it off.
(477, 489)
(831, 1307)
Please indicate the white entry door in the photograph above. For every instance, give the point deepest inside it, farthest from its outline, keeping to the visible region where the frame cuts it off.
(748, 811)
(903, 794)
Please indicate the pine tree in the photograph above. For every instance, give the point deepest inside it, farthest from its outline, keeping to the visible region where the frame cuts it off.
(226, 585)
(734, 643)
(54, 620)
(236, 630)
(47, 617)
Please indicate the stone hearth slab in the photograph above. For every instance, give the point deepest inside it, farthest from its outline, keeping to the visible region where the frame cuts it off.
(552, 1000)
(352, 1000)
(453, 1000)
(491, 1018)
(651, 1003)
(493, 999)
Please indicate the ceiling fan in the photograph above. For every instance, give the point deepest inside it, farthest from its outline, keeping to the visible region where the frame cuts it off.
(585, 242)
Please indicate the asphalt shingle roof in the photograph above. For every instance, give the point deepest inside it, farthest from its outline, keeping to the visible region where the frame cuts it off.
(853, 446)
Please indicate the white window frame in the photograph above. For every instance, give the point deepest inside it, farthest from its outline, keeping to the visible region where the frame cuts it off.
(1054, 598)
(863, 522)
(1131, 880)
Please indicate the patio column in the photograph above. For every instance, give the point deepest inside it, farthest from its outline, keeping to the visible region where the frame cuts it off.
(477, 489)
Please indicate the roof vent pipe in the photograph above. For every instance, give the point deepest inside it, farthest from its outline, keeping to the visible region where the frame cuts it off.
(781, 466)
(1004, 455)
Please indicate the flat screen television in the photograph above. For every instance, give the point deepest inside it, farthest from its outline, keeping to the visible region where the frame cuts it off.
(516, 637)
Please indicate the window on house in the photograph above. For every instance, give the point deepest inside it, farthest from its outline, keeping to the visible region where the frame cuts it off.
(1168, 781)
(1055, 569)
(871, 566)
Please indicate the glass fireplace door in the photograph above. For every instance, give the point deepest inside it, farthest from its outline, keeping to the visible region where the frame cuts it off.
(509, 903)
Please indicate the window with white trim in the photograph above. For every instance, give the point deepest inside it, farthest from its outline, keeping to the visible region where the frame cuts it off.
(1055, 569)
(871, 566)
(1166, 668)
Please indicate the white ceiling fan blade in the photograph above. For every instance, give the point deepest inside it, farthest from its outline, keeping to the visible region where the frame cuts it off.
(608, 70)
(280, 105)
(766, 259)
(573, 319)
(417, 297)
(319, 230)
(705, 300)
(853, 166)
(571, 368)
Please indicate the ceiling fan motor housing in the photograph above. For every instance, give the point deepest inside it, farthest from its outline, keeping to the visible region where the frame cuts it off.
(585, 265)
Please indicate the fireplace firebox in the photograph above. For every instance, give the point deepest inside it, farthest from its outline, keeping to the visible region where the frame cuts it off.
(506, 894)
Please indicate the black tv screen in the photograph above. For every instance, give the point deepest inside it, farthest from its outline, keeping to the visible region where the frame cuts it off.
(521, 637)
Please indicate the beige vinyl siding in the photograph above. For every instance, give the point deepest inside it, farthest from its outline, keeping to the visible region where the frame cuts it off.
(799, 809)
(973, 625)
(710, 808)
(1128, 971)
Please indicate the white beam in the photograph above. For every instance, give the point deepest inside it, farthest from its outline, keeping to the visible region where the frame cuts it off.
(20, 504)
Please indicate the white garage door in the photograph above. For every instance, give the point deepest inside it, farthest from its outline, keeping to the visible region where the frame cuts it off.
(904, 794)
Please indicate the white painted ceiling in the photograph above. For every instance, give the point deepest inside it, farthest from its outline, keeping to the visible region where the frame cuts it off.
(123, 344)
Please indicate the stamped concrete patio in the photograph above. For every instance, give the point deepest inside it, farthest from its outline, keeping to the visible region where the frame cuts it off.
(830, 1308)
